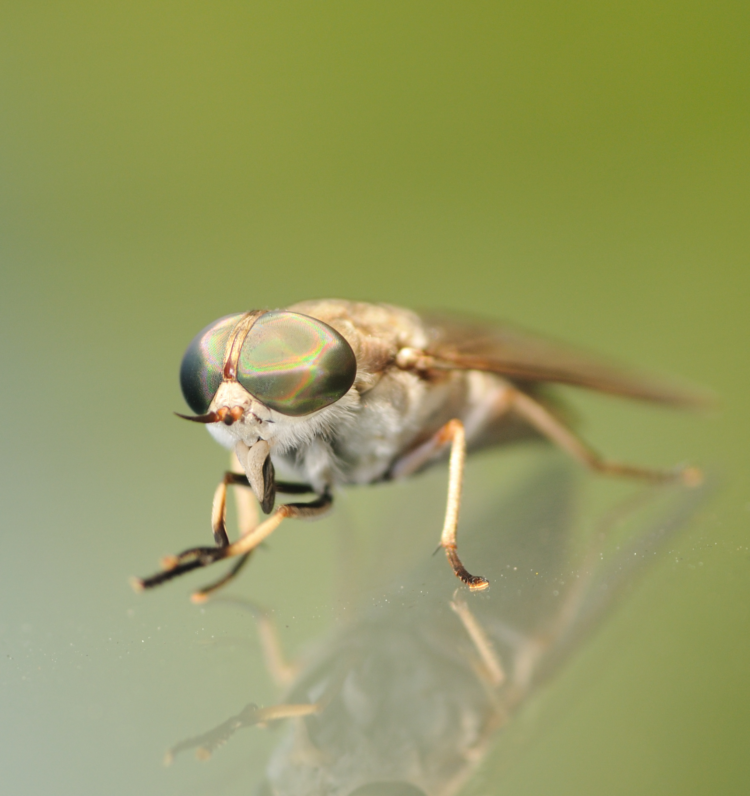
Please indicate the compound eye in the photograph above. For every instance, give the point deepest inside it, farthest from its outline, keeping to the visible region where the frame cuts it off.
(295, 364)
(201, 368)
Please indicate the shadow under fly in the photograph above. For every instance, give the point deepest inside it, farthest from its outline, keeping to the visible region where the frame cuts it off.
(410, 696)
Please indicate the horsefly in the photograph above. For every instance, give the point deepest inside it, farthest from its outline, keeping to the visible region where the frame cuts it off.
(334, 392)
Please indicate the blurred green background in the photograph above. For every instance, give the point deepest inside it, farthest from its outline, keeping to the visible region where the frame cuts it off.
(580, 169)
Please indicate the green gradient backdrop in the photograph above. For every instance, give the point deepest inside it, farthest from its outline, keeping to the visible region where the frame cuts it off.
(581, 169)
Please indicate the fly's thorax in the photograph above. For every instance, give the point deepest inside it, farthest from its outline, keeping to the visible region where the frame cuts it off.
(302, 448)
(400, 412)
(376, 333)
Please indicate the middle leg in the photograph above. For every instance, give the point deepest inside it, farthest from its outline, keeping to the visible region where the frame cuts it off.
(453, 434)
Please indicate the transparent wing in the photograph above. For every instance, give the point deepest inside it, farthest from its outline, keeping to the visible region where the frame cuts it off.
(470, 344)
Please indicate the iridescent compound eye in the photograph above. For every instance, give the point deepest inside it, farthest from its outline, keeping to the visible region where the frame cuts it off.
(295, 364)
(201, 368)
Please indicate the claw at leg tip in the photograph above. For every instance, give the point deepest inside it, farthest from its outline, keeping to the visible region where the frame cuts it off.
(198, 597)
(137, 585)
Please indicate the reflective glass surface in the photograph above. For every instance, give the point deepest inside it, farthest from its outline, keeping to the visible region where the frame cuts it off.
(581, 170)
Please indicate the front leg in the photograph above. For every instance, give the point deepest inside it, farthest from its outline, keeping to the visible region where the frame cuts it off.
(251, 537)
(247, 516)
(203, 594)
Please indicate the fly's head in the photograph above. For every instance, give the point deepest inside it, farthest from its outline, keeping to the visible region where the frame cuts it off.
(265, 377)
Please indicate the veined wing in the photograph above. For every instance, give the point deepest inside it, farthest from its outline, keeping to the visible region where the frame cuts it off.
(471, 344)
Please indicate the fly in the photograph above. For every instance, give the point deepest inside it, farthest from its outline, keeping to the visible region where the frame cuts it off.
(334, 392)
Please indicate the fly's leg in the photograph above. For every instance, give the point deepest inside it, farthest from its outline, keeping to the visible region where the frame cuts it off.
(250, 716)
(204, 593)
(247, 519)
(277, 665)
(491, 664)
(451, 433)
(198, 557)
(247, 516)
(540, 418)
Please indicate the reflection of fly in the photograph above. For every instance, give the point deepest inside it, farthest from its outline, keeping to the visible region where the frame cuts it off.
(335, 392)
(407, 696)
